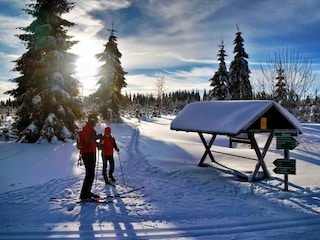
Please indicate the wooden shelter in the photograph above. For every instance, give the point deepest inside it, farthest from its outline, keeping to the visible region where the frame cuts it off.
(232, 118)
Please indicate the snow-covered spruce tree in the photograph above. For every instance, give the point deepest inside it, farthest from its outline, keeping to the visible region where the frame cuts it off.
(239, 84)
(46, 91)
(108, 97)
(219, 80)
(281, 91)
(288, 99)
(304, 109)
(315, 110)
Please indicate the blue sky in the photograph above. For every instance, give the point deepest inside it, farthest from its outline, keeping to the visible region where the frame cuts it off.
(178, 39)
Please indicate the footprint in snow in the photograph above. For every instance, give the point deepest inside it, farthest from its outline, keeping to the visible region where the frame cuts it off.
(70, 207)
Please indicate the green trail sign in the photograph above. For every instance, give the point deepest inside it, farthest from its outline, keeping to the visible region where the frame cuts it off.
(286, 143)
(285, 166)
(286, 132)
(285, 138)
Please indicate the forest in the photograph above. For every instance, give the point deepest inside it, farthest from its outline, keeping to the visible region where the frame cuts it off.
(47, 69)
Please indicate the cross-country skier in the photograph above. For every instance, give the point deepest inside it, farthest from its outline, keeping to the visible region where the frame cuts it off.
(107, 144)
(88, 151)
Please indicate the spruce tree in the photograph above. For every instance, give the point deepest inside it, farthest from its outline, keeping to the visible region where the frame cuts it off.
(205, 96)
(108, 97)
(281, 91)
(219, 80)
(315, 110)
(46, 91)
(239, 84)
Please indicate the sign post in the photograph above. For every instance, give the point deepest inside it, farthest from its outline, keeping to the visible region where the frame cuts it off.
(286, 141)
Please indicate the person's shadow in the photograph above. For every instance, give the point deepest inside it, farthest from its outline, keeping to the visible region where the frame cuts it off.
(87, 219)
(113, 218)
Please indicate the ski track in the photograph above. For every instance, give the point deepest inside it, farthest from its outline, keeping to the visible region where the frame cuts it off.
(145, 217)
(10, 153)
(243, 230)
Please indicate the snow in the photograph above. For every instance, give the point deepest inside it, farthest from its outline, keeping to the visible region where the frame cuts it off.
(32, 127)
(57, 75)
(36, 99)
(51, 119)
(219, 116)
(179, 200)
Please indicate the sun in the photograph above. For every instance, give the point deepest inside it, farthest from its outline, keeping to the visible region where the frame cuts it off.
(87, 65)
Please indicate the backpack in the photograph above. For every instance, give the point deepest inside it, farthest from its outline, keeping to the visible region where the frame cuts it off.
(81, 142)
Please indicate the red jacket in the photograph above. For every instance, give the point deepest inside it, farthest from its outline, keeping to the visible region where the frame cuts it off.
(88, 139)
(109, 143)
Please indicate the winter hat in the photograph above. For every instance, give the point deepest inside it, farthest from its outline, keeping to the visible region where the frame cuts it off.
(107, 130)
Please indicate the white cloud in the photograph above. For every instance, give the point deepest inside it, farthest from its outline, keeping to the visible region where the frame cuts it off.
(83, 15)
(161, 52)
(91, 5)
(5, 85)
(18, 4)
(167, 36)
(8, 30)
(182, 16)
(140, 83)
(195, 79)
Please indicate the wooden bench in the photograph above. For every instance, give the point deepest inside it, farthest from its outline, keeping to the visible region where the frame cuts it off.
(241, 138)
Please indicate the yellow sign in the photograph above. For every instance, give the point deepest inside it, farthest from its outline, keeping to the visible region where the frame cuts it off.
(263, 123)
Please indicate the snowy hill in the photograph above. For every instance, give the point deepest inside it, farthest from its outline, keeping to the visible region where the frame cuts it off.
(179, 200)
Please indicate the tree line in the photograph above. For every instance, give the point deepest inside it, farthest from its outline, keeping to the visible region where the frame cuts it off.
(7, 103)
(48, 104)
(305, 110)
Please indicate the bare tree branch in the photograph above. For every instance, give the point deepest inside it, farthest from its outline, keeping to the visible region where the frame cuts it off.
(297, 71)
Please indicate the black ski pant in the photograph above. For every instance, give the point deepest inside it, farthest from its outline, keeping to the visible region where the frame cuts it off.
(89, 160)
(105, 161)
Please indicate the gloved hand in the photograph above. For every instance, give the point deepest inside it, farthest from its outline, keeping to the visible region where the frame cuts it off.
(100, 146)
(99, 136)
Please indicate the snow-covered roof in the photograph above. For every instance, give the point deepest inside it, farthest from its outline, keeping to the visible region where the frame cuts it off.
(233, 117)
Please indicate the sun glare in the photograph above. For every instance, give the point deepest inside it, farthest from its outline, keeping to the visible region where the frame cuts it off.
(87, 65)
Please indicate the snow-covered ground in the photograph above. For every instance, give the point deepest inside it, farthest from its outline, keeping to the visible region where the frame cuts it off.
(179, 200)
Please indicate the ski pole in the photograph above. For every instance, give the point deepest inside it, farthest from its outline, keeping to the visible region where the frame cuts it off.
(80, 159)
(121, 168)
(97, 168)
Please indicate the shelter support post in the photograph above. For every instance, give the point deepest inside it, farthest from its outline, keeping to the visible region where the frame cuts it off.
(207, 146)
(260, 156)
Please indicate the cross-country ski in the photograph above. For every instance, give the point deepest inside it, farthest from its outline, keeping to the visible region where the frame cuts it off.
(75, 200)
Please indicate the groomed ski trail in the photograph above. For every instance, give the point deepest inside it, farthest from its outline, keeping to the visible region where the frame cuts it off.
(244, 230)
(146, 217)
